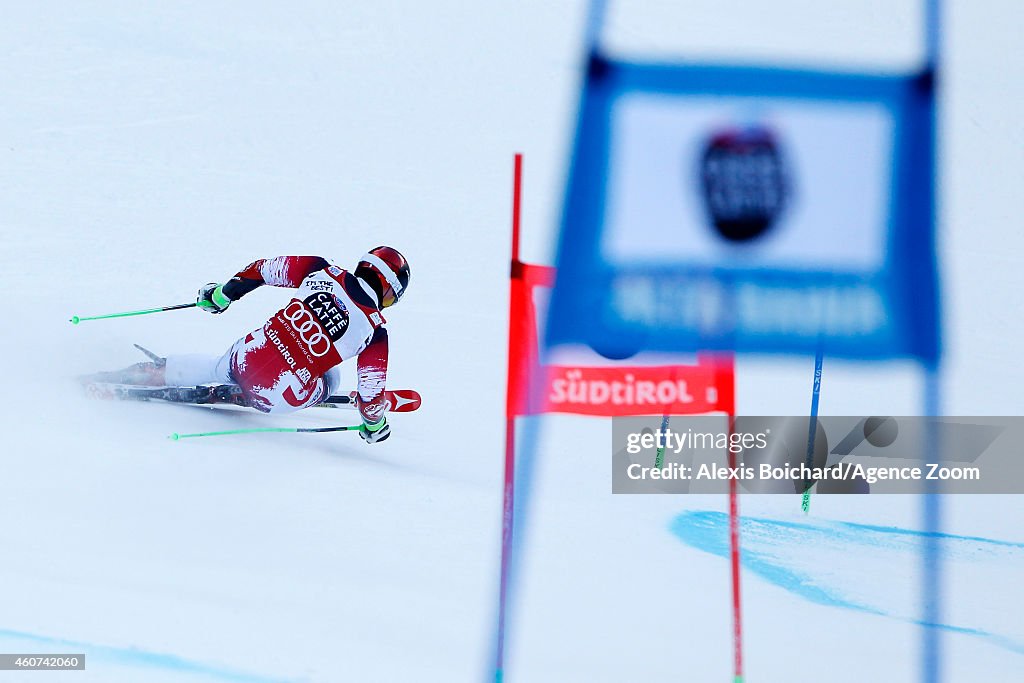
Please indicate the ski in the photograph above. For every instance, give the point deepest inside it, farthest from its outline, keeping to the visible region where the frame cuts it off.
(398, 401)
(204, 394)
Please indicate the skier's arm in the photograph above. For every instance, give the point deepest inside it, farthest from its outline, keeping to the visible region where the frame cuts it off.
(372, 369)
(280, 271)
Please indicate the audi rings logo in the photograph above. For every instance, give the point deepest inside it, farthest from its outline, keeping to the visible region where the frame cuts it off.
(308, 328)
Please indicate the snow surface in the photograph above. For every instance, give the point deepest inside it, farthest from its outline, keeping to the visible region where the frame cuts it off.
(148, 149)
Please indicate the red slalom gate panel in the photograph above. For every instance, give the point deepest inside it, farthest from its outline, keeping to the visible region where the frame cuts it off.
(606, 390)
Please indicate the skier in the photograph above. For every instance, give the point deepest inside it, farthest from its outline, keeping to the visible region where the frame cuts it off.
(291, 362)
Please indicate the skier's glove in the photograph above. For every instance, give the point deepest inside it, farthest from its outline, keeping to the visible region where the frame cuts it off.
(212, 298)
(374, 432)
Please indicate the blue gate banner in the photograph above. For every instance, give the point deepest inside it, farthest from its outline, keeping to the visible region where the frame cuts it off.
(750, 209)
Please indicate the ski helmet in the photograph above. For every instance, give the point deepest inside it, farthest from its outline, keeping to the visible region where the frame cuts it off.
(387, 273)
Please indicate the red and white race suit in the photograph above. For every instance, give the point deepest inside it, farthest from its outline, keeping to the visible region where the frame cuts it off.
(333, 317)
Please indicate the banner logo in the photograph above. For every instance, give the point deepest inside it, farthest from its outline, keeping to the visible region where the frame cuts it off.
(743, 182)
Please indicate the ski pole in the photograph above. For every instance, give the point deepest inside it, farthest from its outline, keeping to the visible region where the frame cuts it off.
(306, 430)
(812, 425)
(77, 319)
(659, 459)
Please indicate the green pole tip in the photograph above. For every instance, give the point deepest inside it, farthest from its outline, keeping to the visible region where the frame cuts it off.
(75, 320)
(174, 436)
